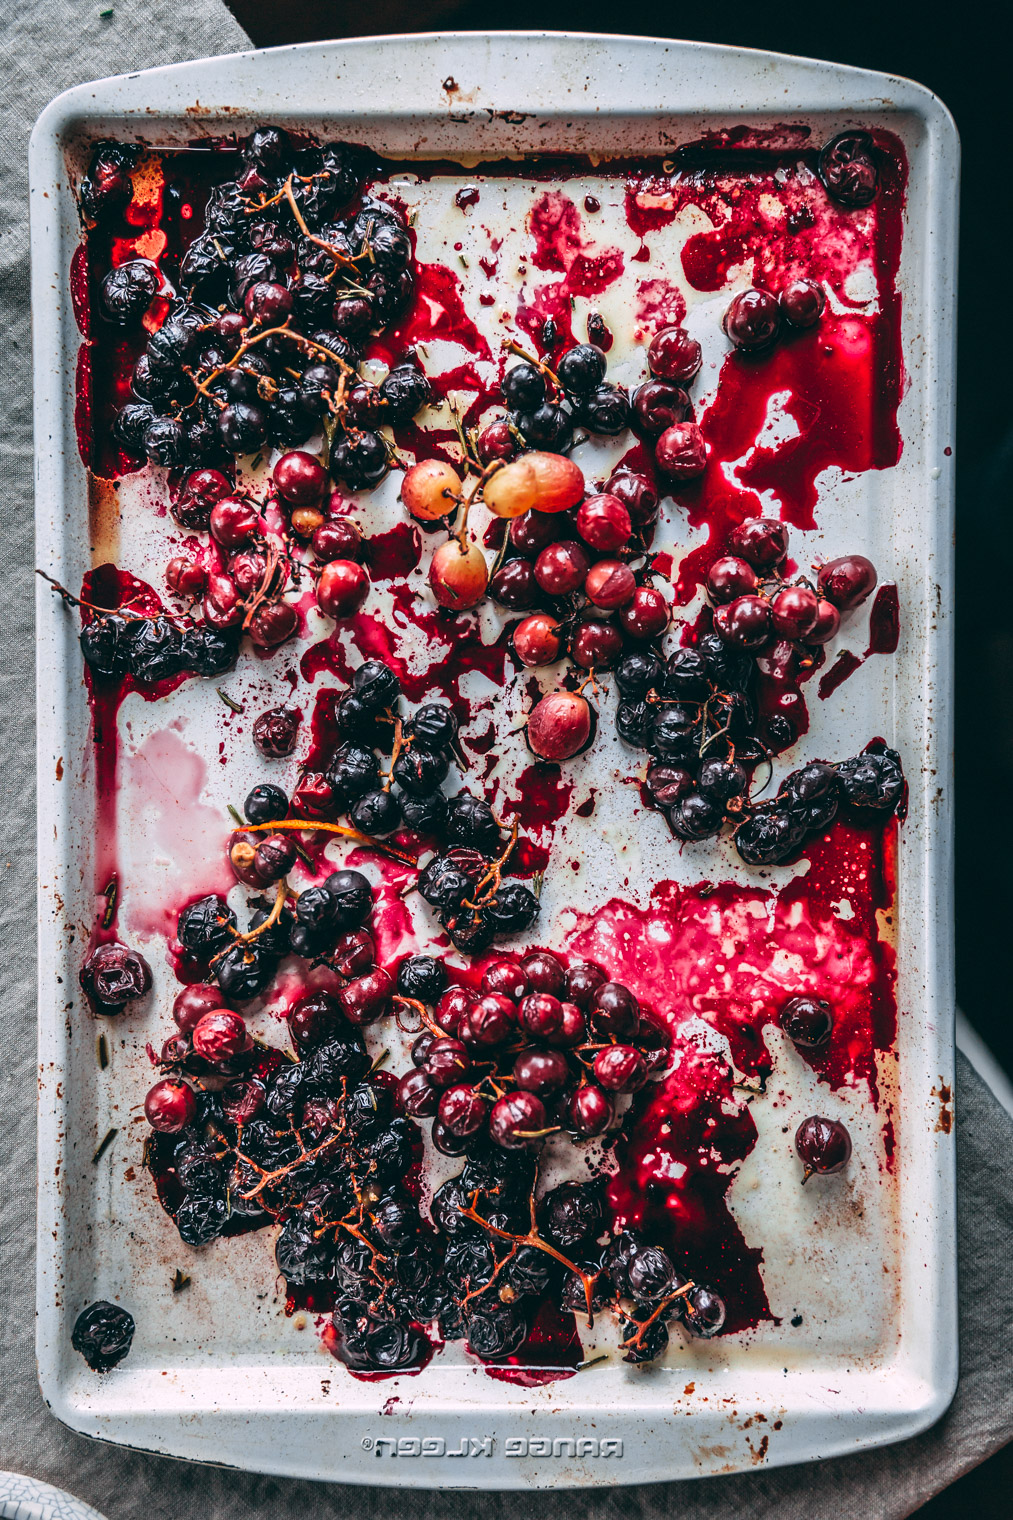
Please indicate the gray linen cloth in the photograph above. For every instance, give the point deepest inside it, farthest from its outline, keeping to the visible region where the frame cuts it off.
(53, 44)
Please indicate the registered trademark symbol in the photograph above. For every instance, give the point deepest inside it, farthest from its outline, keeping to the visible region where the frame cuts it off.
(367, 1443)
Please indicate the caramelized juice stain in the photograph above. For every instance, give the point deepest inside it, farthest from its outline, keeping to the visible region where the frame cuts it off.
(103, 519)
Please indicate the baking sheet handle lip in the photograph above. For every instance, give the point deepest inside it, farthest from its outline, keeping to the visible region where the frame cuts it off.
(360, 1465)
(891, 92)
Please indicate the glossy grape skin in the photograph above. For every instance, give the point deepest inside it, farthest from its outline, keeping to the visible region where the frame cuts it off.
(807, 1021)
(559, 726)
(458, 575)
(847, 581)
(753, 320)
(431, 489)
(538, 640)
(822, 1145)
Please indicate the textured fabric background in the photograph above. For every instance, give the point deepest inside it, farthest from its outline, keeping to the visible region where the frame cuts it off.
(51, 45)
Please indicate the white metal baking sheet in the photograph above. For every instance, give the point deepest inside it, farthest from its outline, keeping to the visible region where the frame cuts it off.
(219, 1374)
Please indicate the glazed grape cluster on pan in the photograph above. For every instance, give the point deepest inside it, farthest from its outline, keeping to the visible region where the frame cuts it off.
(464, 881)
(696, 711)
(244, 1135)
(155, 648)
(541, 1047)
(546, 405)
(276, 297)
(693, 713)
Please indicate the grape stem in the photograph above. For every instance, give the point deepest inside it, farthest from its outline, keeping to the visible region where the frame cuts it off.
(339, 258)
(272, 918)
(470, 458)
(493, 874)
(399, 744)
(263, 591)
(632, 1342)
(420, 1009)
(268, 1178)
(540, 364)
(474, 485)
(532, 1238)
(468, 497)
(310, 826)
(77, 601)
(306, 344)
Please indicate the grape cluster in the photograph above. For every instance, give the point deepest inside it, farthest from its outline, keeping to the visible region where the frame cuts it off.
(696, 712)
(694, 715)
(325, 924)
(559, 546)
(433, 491)
(505, 1249)
(755, 608)
(587, 573)
(580, 560)
(465, 886)
(870, 785)
(243, 574)
(243, 1136)
(576, 567)
(540, 1047)
(681, 711)
(156, 648)
(313, 1142)
(464, 881)
(277, 297)
(545, 405)
(663, 411)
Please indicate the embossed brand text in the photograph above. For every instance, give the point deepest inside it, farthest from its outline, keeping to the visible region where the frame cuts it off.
(483, 1446)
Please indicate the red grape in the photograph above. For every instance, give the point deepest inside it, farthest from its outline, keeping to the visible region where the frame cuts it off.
(728, 578)
(430, 489)
(548, 482)
(609, 584)
(458, 575)
(537, 640)
(646, 615)
(674, 355)
(342, 588)
(847, 581)
(596, 645)
(559, 726)
(604, 523)
(802, 302)
(561, 568)
(681, 452)
(794, 611)
(299, 478)
(170, 1106)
